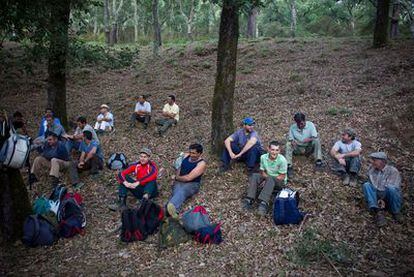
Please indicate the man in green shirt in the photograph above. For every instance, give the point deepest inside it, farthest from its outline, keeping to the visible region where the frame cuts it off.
(273, 169)
(303, 139)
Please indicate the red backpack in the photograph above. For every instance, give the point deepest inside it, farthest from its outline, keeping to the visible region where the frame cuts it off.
(71, 218)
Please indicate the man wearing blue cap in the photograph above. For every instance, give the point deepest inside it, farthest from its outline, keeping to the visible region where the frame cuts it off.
(242, 145)
(383, 189)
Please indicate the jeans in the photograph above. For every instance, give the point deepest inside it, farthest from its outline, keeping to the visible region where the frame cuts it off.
(353, 165)
(165, 123)
(183, 191)
(267, 191)
(313, 147)
(140, 118)
(251, 157)
(150, 188)
(391, 195)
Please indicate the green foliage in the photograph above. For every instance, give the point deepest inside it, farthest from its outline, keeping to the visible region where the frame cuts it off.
(82, 53)
(311, 247)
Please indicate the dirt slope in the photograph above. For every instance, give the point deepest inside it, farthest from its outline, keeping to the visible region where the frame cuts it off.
(336, 83)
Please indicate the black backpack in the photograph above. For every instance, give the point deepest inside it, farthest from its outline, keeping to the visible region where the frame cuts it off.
(138, 224)
(117, 161)
(38, 231)
(70, 216)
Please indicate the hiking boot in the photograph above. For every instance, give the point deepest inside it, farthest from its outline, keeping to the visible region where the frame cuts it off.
(380, 219)
(263, 208)
(145, 126)
(118, 205)
(53, 180)
(32, 179)
(172, 211)
(318, 165)
(247, 203)
(290, 172)
(78, 186)
(398, 218)
(345, 179)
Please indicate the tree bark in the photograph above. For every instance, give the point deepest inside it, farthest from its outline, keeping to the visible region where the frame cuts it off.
(381, 23)
(156, 27)
(251, 23)
(293, 18)
(14, 204)
(222, 114)
(188, 18)
(56, 90)
(135, 4)
(394, 32)
(95, 22)
(106, 22)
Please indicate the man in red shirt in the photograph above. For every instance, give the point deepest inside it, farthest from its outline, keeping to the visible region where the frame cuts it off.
(139, 179)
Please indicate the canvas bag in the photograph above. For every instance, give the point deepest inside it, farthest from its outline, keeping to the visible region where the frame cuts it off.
(15, 150)
(195, 219)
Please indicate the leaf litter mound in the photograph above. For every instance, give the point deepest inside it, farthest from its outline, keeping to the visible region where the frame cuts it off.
(337, 83)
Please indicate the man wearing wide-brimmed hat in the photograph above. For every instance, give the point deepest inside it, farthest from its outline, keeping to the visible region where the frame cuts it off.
(346, 153)
(105, 120)
(383, 189)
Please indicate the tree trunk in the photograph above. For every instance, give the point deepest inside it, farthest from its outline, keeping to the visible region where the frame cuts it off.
(95, 22)
(381, 23)
(222, 114)
(251, 23)
(135, 4)
(56, 90)
(14, 204)
(293, 18)
(394, 32)
(156, 27)
(106, 22)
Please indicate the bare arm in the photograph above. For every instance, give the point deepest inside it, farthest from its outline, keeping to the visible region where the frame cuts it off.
(196, 172)
(250, 143)
(227, 144)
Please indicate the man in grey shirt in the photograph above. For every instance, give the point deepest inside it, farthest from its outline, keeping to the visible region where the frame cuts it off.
(346, 153)
(383, 189)
(74, 141)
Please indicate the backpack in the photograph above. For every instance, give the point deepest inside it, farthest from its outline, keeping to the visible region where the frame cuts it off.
(131, 229)
(195, 218)
(58, 193)
(70, 216)
(150, 215)
(117, 161)
(172, 233)
(38, 231)
(285, 208)
(15, 150)
(209, 234)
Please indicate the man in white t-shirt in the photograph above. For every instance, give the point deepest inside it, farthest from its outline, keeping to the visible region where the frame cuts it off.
(142, 112)
(170, 115)
(346, 153)
(104, 120)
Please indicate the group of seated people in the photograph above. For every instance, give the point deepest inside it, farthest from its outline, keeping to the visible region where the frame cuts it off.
(272, 169)
(268, 168)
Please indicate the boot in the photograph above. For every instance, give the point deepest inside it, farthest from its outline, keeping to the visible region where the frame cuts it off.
(54, 181)
(118, 205)
(32, 179)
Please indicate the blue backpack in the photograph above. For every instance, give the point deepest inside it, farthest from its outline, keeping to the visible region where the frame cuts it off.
(117, 161)
(38, 231)
(195, 219)
(285, 208)
(210, 234)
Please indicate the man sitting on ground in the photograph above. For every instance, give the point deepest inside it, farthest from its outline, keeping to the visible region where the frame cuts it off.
(55, 157)
(383, 189)
(273, 170)
(91, 157)
(303, 139)
(242, 145)
(142, 112)
(170, 114)
(74, 141)
(104, 121)
(51, 127)
(187, 180)
(43, 123)
(140, 179)
(346, 153)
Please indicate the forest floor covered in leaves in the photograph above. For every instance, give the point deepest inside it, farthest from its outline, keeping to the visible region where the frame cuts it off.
(337, 83)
